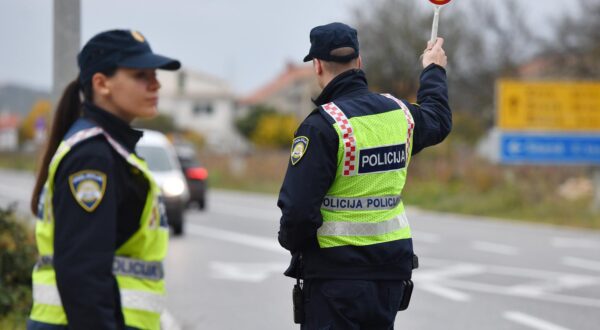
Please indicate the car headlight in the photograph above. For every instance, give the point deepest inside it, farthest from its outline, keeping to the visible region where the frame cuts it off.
(174, 187)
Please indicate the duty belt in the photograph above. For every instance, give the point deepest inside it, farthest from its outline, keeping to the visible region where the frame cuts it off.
(149, 270)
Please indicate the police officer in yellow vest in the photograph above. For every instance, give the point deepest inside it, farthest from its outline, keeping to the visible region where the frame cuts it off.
(101, 230)
(343, 218)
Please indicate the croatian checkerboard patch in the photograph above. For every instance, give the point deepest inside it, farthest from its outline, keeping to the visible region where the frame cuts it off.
(299, 147)
(88, 188)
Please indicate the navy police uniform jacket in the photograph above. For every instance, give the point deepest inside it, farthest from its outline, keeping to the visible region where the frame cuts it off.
(85, 242)
(307, 182)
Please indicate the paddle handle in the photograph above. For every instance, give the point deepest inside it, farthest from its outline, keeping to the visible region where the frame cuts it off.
(436, 21)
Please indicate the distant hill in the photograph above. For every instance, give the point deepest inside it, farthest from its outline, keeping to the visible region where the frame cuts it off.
(19, 99)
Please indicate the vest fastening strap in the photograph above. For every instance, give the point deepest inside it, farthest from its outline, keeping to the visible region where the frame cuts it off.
(93, 131)
(133, 299)
(82, 135)
(347, 136)
(360, 203)
(344, 228)
(409, 118)
(147, 270)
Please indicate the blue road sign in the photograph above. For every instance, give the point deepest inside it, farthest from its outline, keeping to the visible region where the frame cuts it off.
(548, 148)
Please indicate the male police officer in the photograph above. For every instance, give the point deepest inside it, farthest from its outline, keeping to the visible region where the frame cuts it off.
(343, 218)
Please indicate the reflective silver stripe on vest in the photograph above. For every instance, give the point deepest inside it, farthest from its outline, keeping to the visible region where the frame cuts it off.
(344, 228)
(142, 300)
(148, 270)
(46, 294)
(133, 299)
(360, 203)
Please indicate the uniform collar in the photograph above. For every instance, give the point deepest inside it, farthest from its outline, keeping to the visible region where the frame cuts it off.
(114, 126)
(349, 82)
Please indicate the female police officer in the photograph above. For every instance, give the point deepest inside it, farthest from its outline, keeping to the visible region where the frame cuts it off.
(101, 232)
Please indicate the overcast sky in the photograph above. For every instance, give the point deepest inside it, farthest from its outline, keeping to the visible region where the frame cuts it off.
(244, 42)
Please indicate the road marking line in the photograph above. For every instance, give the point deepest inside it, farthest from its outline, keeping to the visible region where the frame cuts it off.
(271, 245)
(505, 291)
(245, 272)
(531, 321)
(582, 263)
(449, 271)
(494, 248)
(565, 242)
(553, 285)
(238, 238)
(444, 292)
(421, 236)
(271, 215)
(168, 322)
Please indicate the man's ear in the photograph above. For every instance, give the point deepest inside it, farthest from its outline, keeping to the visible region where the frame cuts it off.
(100, 84)
(359, 62)
(318, 66)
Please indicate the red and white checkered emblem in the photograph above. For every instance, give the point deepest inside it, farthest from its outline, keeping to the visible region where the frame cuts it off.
(347, 136)
(409, 119)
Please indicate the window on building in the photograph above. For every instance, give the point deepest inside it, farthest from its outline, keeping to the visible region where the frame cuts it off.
(203, 108)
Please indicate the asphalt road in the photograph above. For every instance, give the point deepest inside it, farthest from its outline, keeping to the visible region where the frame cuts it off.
(476, 273)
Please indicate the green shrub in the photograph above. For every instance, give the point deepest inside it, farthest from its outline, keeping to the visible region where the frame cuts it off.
(17, 257)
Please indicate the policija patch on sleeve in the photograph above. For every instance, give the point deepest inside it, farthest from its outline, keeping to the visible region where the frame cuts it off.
(299, 147)
(88, 188)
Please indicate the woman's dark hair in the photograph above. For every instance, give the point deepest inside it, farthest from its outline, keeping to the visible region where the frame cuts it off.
(67, 112)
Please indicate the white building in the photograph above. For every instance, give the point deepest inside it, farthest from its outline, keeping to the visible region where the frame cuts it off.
(9, 131)
(201, 103)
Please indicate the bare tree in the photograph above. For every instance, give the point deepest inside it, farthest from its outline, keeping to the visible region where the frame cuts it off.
(483, 41)
(575, 50)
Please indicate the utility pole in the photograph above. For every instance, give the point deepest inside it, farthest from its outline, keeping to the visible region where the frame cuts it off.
(67, 37)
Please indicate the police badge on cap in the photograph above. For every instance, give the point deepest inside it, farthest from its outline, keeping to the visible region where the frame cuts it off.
(88, 188)
(299, 147)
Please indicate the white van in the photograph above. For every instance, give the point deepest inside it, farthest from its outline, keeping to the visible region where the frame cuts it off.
(159, 153)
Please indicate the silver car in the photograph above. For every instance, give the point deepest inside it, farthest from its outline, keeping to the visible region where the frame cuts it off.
(158, 152)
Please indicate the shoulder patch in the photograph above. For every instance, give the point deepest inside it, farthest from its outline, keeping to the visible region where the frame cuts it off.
(299, 147)
(88, 188)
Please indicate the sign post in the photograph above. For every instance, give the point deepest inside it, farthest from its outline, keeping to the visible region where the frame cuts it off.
(437, 6)
(550, 123)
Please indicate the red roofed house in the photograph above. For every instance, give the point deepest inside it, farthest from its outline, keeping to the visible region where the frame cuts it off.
(289, 93)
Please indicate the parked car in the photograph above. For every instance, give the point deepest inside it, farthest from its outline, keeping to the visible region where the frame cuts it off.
(159, 153)
(195, 174)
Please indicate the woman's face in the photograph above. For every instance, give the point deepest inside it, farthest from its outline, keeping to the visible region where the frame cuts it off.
(131, 93)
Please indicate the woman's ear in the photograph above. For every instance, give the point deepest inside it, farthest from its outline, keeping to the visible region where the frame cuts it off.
(100, 84)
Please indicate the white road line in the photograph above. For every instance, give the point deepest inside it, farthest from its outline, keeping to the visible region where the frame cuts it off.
(495, 248)
(271, 215)
(449, 271)
(238, 238)
(425, 237)
(245, 272)
(444, 292)
(168, 322)
(566, 242)
(505, 291)
(531, 321)
(581, 263)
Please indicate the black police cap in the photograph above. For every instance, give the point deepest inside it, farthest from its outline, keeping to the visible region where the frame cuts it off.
(119, 48)
(326, 38)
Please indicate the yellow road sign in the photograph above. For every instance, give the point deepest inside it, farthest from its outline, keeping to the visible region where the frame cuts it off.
(548, 105)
